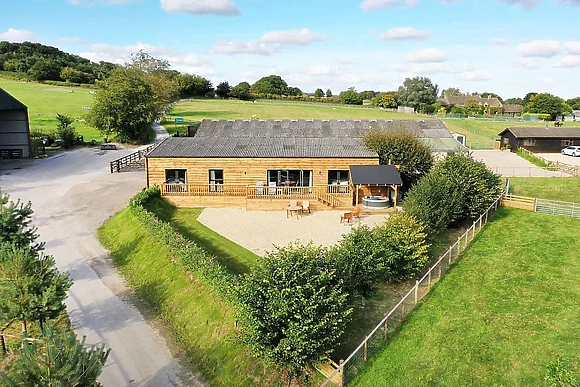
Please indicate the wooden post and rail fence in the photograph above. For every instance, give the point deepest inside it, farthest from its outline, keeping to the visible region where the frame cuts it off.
(127, 161)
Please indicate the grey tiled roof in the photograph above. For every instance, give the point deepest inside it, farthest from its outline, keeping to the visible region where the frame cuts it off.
(314, 128)
(565, 132)
(8, 102)
(293, 138)
(262, 148)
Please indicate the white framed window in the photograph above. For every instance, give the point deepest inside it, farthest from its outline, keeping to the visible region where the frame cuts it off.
(175, 176)
(529, 142)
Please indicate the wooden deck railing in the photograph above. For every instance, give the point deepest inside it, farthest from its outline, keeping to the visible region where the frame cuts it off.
(125, 161)
(325, 194)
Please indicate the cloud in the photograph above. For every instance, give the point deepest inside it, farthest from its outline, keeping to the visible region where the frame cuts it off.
(427, 68)
(201, 7)
(270, 43)
(72, 40)
(499, 41)
(547, 80)
(572, 48)
(427, 55)
(405, 33)
(569, 61)
(527, 4)
(570, 2)
(14, 35)
(527, 63)
(243, 47)
(300, 37)
(477, 75)
(539, 48)
(179, 60)
(369, 5)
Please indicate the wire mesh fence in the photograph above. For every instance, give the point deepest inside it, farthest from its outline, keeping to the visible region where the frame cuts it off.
(347, 369)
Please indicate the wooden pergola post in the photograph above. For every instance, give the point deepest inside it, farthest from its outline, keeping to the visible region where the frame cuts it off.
(396, 195)
(356, 187)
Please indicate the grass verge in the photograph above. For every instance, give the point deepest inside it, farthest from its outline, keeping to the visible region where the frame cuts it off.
(201, 323)
(235, 257)
(533, 159)
(509, 306)
(554, 188)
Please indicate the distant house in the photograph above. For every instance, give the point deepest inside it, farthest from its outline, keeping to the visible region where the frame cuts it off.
(14, 128)
(260, 164)
(540, 139)
(450, 101)
(513, 110)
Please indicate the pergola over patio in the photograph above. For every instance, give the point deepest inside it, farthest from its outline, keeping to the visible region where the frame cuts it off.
(375, 180)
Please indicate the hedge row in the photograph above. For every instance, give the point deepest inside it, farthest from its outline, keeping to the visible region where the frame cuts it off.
(189, 255)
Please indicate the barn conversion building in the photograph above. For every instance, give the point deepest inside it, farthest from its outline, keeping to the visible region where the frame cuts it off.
(14, 128)
(260, 164)
(540, 139)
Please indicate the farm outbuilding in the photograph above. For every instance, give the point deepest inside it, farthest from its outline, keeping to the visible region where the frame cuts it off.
(14, 128)
(540, 139)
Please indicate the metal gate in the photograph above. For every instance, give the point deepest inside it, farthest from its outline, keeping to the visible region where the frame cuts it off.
(554, 207)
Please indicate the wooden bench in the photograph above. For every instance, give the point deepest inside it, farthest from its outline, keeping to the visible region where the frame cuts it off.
(347, 216)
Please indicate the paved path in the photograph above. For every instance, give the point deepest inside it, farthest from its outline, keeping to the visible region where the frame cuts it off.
(560, 158)
(72, 194)
(509, 164)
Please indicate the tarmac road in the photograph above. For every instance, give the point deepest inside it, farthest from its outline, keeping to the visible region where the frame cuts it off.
(72, 194)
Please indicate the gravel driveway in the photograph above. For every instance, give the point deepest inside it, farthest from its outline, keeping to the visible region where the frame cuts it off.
(509, 164)
(560, 158)
(72, 194)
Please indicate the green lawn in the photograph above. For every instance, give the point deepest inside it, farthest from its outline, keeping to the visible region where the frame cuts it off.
(566, 189)
(200, 109)
(44, 101)
(509, 306)
(202, 324)
(235, 257)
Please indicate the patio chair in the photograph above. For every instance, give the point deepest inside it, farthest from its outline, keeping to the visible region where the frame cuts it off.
(293, 203)
(306, 206)
(356, 213)
(346, 217)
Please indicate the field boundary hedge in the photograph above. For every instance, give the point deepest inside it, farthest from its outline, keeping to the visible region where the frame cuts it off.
(186, 253)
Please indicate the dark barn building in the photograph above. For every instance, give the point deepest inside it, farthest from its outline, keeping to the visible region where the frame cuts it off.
(14, 128)
(540, 139)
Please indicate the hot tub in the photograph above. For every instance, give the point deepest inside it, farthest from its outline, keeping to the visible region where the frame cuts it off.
(375, 202)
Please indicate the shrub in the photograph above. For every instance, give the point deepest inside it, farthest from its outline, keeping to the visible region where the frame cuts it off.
(65, 131)
(293, 308)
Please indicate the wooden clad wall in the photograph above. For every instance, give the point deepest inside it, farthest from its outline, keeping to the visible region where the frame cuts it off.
(14, 131)
(246, 171)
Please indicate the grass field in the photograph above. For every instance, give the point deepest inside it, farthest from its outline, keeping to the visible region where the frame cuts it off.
(44, 101)
(566, 189)
(201, 323)
(184, 220)
(509, 306)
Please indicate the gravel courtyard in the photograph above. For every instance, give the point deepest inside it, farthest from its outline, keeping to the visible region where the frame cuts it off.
(509, 164)
(259, 231)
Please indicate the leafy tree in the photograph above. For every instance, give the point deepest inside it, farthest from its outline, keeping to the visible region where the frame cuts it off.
(31, 289)
(124, 105)
(15, 224)
(368, 94)
(294, 91)
(319, 93)
(417, 93)
(574, 103)
(66, 131)
(272, 84)
(45, 69)
(434, 202)
(328, 93)
(401, 147)
(293, 308)
(148, 64)
(456, 109)
(472, 107)
(241, 91)
(528, 97)
(478, 185)
(386, 100)
(350, 97)
(402, 247)
(223, 89)
(492, 95)
(193, 86)
(514, 101)
(451, 92)
(56, 359)
(547, 104)
(69, 74)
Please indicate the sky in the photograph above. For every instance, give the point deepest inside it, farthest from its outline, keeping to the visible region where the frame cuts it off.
(509, 47)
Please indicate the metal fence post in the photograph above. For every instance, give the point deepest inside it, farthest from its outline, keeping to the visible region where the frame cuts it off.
(366, 353)
(416, 290)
